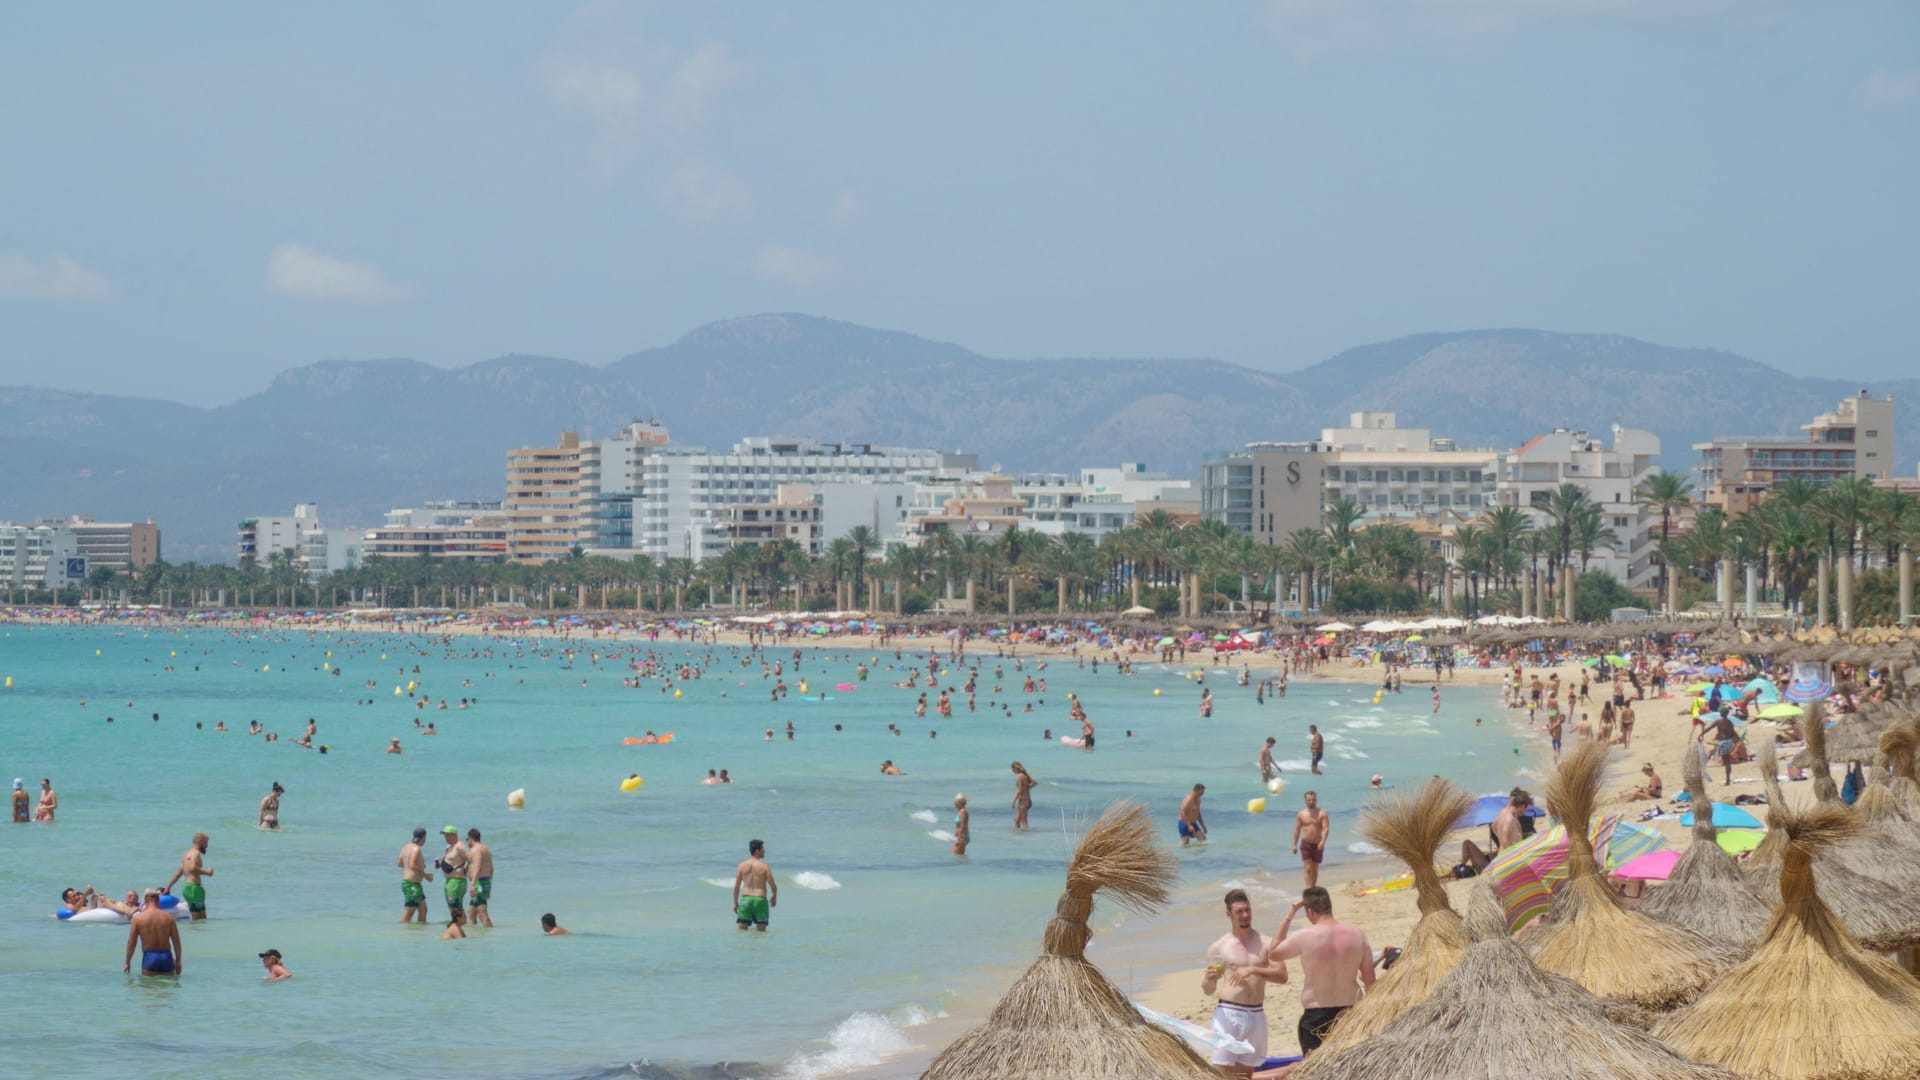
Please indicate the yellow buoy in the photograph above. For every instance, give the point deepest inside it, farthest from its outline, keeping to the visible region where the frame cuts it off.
(676, 693)
(1256, 806)
(517, 799)
(96, 652)
(1156, 691)
(266, 667)
(1376, 696)
(396, 691)
(9, 682)
(631, 783)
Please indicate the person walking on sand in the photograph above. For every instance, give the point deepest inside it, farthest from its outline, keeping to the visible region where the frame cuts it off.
(1336, 961)
(1238, 969)
(1311, 827)
(157, 933)
(270, 808)
(1317, 746)
(1725, 736)
(1269, 768)
(1022, 795)
(480, 862)
(755, 893)
(413, 872)
(193, 868)
(1191, 825)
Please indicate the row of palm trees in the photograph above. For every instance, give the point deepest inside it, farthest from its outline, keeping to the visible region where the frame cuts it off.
(1185, 569)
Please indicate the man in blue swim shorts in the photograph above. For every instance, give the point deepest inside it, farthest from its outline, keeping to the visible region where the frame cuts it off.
(157, 934)
(1191, 825)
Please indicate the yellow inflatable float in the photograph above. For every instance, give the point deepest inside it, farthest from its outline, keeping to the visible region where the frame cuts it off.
(517, 799)
(1256, 806)
(631, 783)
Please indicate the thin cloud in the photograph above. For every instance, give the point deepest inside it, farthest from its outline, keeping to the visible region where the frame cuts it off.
(792, 266)
(699, 79)
(1890, 90)
(642, 100)
(300, 273)
(57, 277)
(700, 193)
(845, 210)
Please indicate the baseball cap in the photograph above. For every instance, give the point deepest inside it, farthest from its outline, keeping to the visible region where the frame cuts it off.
(275, 953)
(450, 830)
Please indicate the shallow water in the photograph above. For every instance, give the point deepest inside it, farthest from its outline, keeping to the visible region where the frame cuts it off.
(879, 930)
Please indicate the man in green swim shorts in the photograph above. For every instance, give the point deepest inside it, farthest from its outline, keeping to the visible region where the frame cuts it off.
(413, 871)
(480, 866)
(193, 869)
(755, 893)
(453, 863)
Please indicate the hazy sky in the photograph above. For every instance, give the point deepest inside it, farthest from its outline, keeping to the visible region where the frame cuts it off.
(195, 197)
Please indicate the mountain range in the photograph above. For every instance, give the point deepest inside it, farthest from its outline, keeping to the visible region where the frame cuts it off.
(359, 437)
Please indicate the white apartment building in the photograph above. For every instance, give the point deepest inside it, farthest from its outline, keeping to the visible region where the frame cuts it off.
(689, 492)
(263, 537)
(39, 557)
(1091, 501)
(329, 551)
(1405, 474)
(1611, 477)
(471, 531)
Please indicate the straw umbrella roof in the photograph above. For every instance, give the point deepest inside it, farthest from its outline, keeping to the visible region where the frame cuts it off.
(1062, 1019)
(1589, 936)
(1810, 1004)
(1881, 915)
(1706, 892)
(1410, 828)
(1497, 1015)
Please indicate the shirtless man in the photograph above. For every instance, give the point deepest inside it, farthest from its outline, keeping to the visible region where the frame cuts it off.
(1506, 832)
(413, 871)
(481, 862)
(1317, 746)
(158, 935)
(1269, 768)
(1239, 968)
(755, 893)
(1311, 828)
(550, 926)
(1191, 825)
(275, 969)
(270, 808)
(1336, 960)
(452, 864)
(193, 869)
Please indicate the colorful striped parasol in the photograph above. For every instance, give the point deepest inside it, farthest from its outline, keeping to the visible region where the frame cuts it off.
(1528, 875)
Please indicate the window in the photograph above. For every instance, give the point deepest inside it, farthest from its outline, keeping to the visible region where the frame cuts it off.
(1873, 434)
(1446, 477)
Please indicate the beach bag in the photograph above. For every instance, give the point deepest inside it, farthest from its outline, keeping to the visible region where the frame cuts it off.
(1850, 791)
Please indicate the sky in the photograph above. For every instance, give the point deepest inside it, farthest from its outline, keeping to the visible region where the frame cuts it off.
(194, 198)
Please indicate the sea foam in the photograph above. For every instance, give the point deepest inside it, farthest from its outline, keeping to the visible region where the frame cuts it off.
(861, 1041)
(926, 816)
(815, 880)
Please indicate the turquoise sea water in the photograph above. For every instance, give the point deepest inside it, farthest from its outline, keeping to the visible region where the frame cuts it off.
(878, 928)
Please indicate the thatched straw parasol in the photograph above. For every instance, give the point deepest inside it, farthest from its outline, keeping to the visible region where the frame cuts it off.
(1810, 1004)
(1411, 829)
(1590, 937)
(1063, 1020)
(1880, 915)
(1901, 744)
(1706, 892)
(1497, 1015)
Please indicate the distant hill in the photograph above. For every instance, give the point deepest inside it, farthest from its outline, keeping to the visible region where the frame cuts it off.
(358, 437)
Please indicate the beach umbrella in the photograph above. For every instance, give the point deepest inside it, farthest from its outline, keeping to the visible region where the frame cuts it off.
(1739, 841)
(1781, 711)
(1629, 841)
(1724, 815)
(1810, 1003)
(1062, 1019)
(1589, 936)
(1616, 660)
(1410, 828)
(1653, 866)
(1527, 875)
(1808, 690)
(1498, 1015)
(1706, 891)
(1486, 808)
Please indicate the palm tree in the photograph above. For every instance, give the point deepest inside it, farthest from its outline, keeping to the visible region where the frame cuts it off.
(864, 544)
(1590, 532)
(1506, 524)
(1341, 516)
(1666, 492)
(1304, 551)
